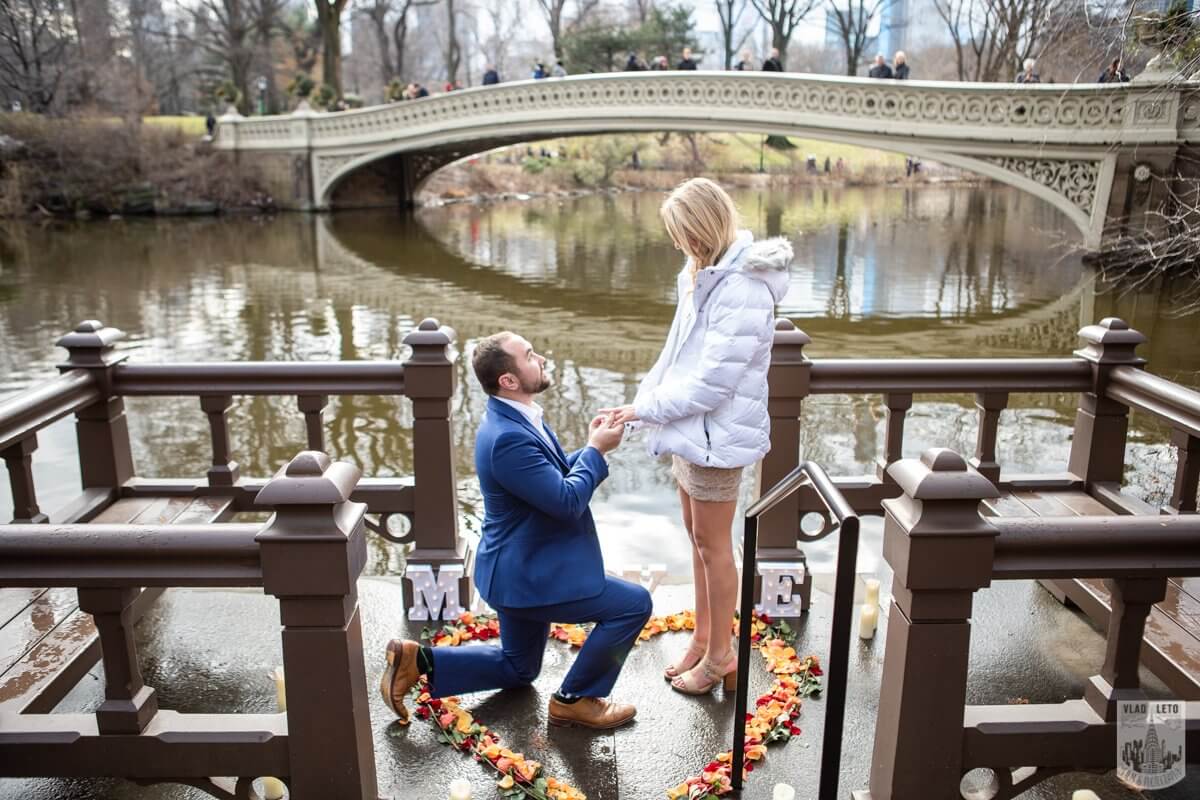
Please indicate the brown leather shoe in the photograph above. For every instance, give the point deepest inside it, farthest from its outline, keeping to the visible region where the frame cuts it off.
(591, 712)
(400, 676)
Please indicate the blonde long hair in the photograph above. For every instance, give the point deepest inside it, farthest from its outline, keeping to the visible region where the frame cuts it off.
(701, 219)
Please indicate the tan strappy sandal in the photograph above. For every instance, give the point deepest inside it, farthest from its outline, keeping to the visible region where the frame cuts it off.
(702, 678)
(691, 657)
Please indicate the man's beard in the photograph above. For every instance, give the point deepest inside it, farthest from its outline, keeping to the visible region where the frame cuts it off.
(538, 386)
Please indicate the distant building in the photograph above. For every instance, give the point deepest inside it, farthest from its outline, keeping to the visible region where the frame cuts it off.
(894, 24)
(900, 25)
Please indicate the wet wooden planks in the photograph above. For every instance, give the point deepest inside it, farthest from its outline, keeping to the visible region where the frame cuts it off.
(46, 643)
(1172, 646)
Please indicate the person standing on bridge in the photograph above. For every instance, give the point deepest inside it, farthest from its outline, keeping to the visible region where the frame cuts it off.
(773, 64)
(704, 402)
(880, 69)
(1114, 74)
(687, 62)
(491, 77)
(900, 70)
(1029, 73)
(745, 65)
(539, 559)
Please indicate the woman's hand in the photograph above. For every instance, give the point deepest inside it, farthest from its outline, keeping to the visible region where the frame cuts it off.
(619, 415)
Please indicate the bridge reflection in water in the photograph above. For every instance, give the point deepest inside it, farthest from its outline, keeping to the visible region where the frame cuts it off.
(890, 272)
(347, 290)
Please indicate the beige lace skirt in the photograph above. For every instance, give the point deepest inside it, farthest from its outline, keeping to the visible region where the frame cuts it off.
(706, 484)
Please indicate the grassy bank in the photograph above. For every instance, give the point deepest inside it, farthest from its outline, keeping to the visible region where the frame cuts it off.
(102, 166)
(588, 163)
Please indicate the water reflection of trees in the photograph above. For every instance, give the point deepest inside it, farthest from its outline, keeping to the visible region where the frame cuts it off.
(934, 272)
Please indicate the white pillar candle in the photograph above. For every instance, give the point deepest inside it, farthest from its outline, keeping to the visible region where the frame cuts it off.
(1084, 794)
(280, 693)
(872, 596)
(460, 789)
(273, 788)
(867, 620)
(783, 792)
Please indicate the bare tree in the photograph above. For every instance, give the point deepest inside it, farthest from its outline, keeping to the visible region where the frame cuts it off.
(852, 19)
(643, 8)
(993, 37)
(36, 51)
(1166, 247)
(730, 12)
(553, 11)
(783, 17)
(504, 26)
(267, 20)
(376, 12)
(400, 29)
(224, 30)
(303, 38)
(452, 53)
(329, 17)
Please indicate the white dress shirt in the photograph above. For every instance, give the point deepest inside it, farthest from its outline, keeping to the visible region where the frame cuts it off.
(533, 412)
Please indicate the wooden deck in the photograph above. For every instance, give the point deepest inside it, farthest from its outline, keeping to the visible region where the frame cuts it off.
(46, 643)
(1172, 645)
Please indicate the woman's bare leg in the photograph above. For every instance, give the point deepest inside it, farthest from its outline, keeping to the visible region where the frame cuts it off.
(700, 635)
(711, 526)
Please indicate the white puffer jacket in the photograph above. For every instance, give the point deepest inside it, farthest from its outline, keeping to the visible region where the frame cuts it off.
(705, 399)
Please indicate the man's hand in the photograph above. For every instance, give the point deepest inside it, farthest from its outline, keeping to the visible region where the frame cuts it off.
(603, 435)
(620, 415)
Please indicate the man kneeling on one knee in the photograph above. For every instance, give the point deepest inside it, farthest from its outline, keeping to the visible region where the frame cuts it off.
(539, 558)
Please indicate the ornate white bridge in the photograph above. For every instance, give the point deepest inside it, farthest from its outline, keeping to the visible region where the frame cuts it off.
(1100, 153)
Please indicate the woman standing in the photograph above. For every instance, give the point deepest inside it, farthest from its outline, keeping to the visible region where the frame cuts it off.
(704, 402)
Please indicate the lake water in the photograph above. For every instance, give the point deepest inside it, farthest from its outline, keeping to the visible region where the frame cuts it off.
(920, 271)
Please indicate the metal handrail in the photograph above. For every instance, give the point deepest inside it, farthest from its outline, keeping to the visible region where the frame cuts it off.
(839, 643)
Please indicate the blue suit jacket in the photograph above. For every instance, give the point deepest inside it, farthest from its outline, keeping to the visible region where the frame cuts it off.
(539, 544)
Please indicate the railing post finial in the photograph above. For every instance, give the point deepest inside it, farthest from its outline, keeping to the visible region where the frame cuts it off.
(312, 551)
(429, 342)
(1111, 341)
(1101, 424)
(934, 523)
(91, 345)
(105, 454)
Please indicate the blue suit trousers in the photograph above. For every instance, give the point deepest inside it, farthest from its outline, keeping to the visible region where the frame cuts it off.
(620, 612)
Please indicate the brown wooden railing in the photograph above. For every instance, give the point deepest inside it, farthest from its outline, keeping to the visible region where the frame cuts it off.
(308, 555)
(1116, 564)
(931, 507)
(926, 738)
(97, 377)
(1106, 372)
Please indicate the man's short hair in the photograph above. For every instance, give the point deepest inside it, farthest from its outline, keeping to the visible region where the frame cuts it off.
(490, 360)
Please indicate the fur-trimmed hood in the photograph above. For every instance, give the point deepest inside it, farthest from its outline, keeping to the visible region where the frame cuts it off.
(766, 261)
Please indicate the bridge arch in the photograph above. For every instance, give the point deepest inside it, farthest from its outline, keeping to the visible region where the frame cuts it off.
(1072, 192)
(1065, 144)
